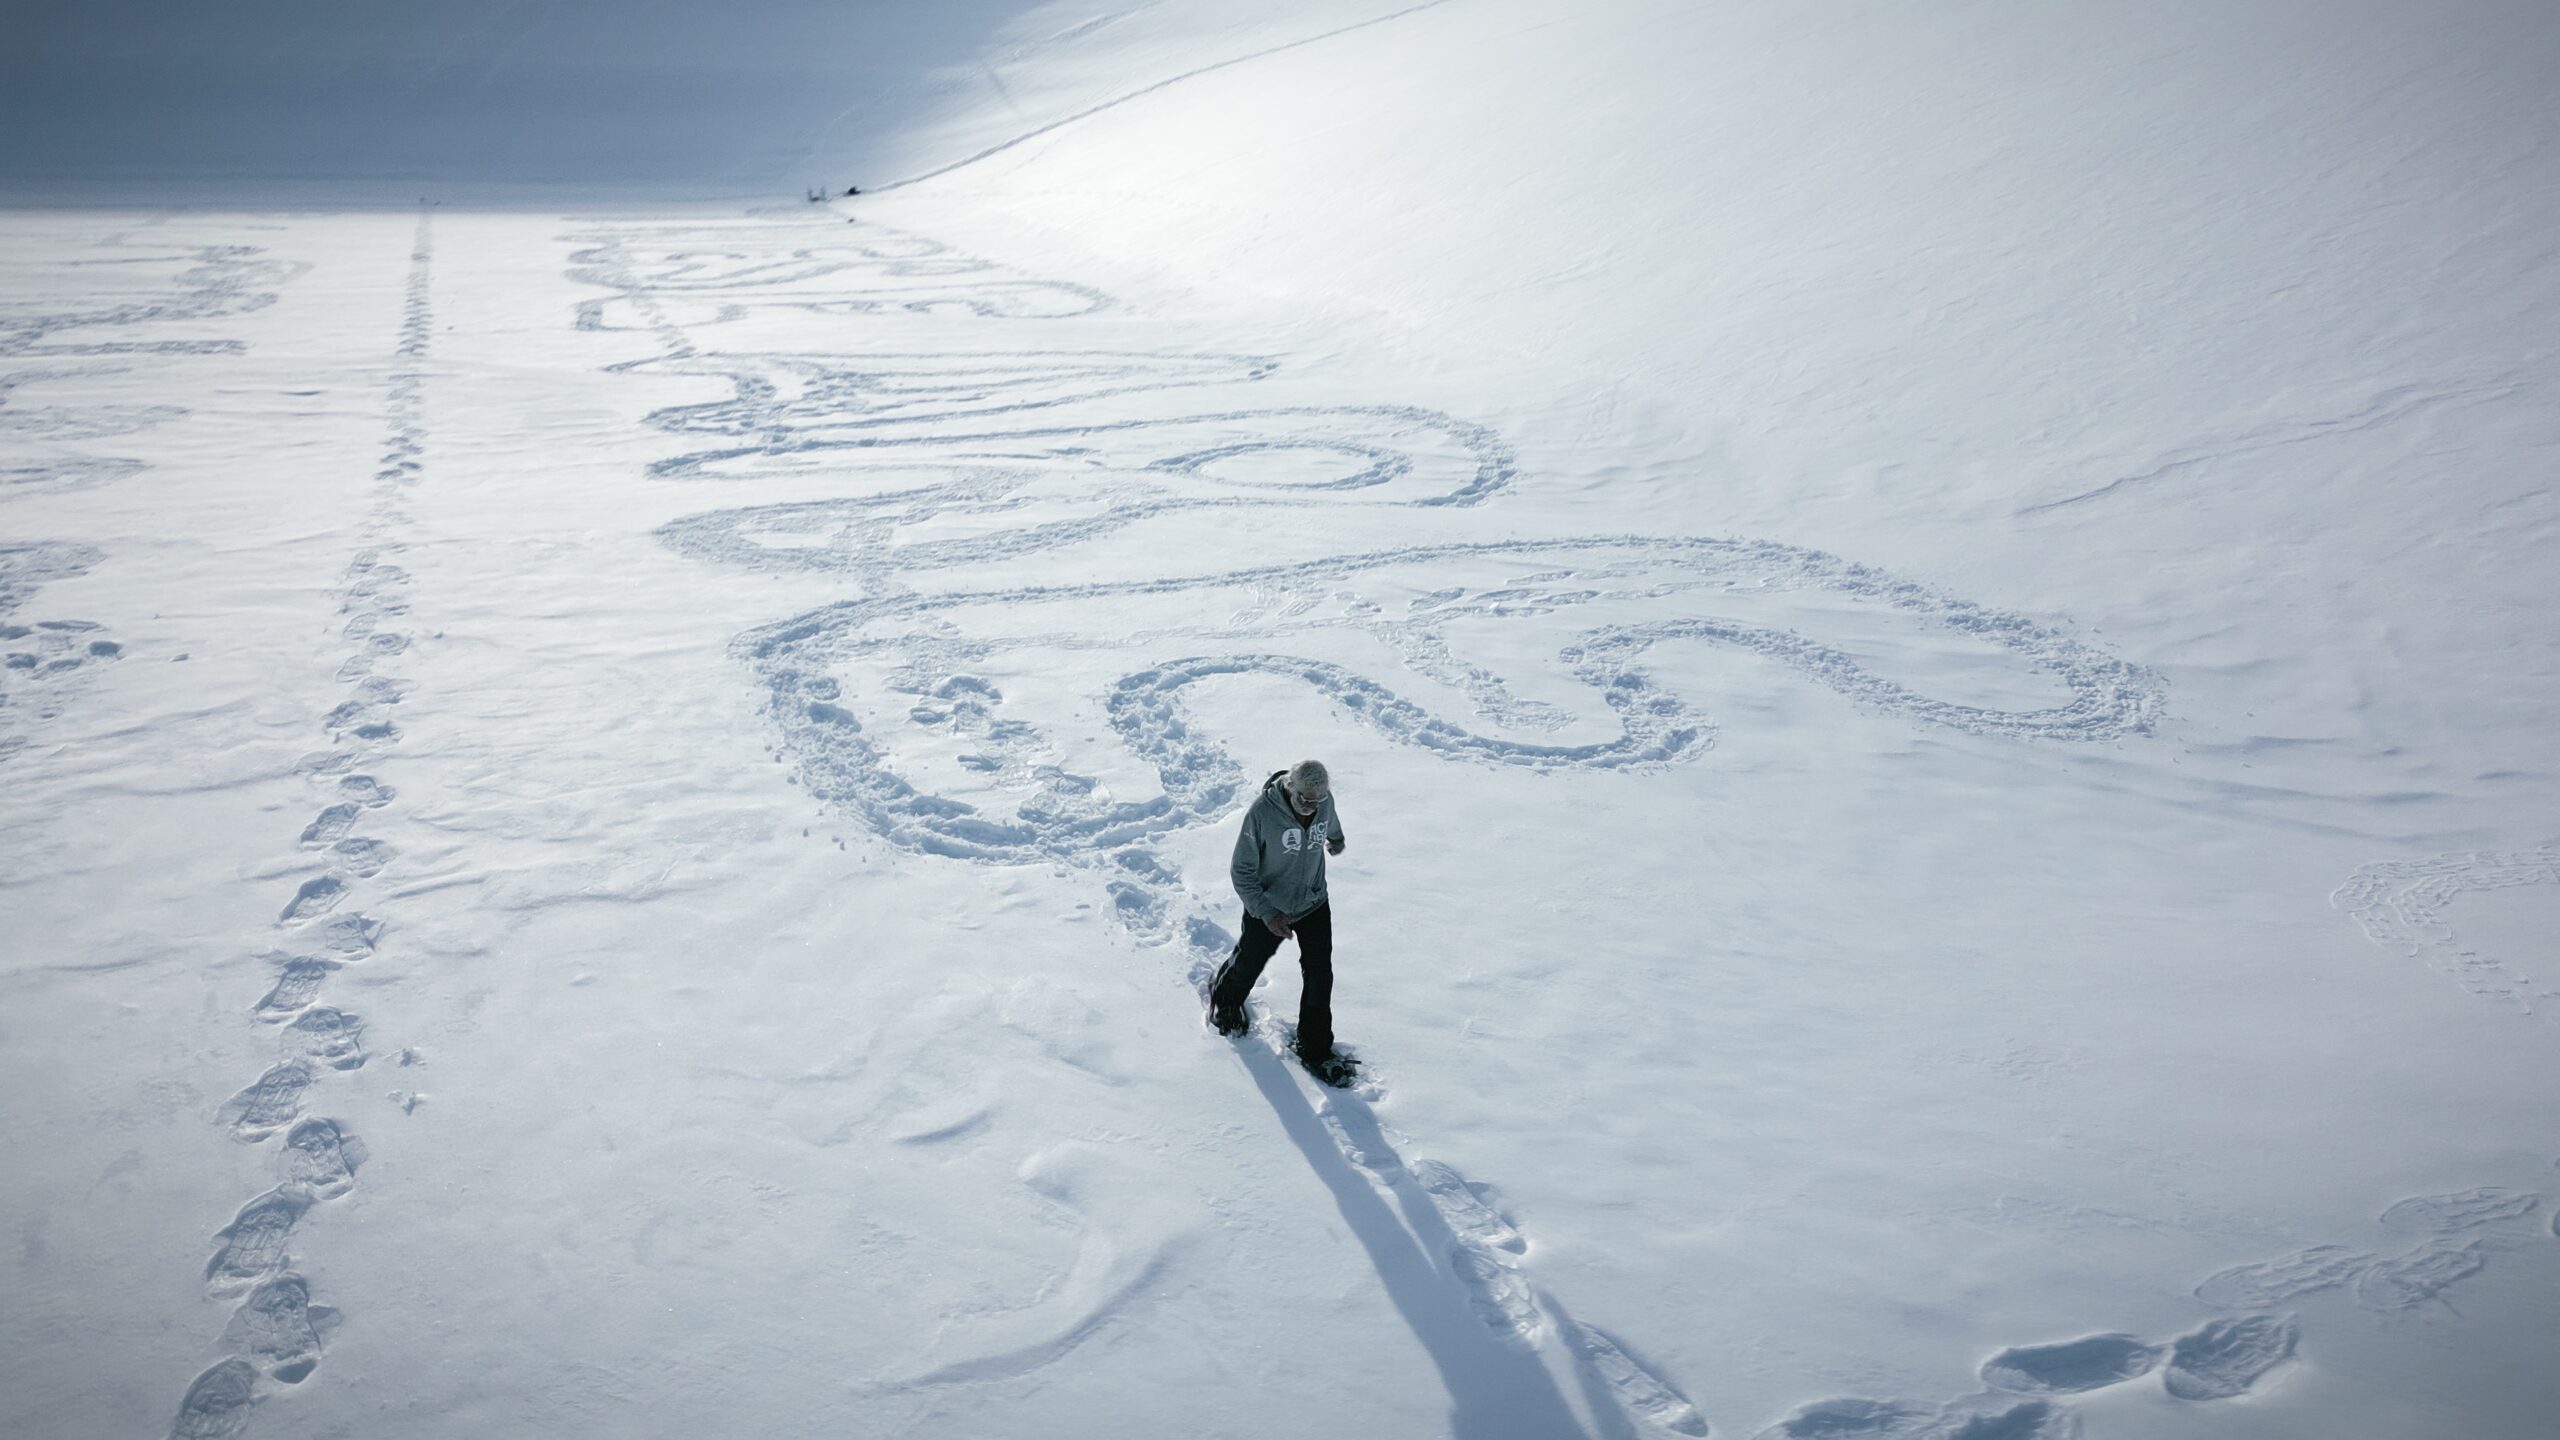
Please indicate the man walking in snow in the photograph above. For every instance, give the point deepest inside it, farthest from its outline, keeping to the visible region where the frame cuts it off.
(1278, 871)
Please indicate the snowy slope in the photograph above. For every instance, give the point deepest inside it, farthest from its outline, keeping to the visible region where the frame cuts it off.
(1931, 623)
(503, 102)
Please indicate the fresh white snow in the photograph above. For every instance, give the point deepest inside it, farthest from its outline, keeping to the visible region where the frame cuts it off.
(1933, 625)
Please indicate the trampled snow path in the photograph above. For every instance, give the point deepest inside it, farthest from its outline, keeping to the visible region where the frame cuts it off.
(892, 705)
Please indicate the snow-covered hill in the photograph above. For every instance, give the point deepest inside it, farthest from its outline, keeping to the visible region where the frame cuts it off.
(1932, 625)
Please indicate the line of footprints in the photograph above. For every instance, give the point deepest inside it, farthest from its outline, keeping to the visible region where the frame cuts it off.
(276, 1331)
(2027, 1386)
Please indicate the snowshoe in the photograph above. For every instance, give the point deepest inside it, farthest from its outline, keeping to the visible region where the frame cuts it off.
(1335, 1068)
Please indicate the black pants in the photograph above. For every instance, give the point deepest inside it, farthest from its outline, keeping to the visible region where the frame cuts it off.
(1254, 949)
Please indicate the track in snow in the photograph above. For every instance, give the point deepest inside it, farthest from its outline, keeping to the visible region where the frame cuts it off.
(276, 1333)
(2402, 905)
(2241, 1351)
(58, 334)
(65, 328)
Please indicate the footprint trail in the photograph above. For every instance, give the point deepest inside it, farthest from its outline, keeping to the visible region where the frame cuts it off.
(278, 1335)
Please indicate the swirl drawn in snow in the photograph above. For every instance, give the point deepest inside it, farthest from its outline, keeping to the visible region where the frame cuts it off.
(2402, 905)
(154, 285)
(913, 659)
(940, 722)
(72, 303)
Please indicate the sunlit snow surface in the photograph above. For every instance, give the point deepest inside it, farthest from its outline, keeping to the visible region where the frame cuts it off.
(613, 821)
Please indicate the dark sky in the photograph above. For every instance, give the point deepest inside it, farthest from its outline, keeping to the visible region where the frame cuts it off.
(647, 96)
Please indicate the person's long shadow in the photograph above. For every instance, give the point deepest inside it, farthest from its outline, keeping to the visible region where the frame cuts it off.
(1496, 1392)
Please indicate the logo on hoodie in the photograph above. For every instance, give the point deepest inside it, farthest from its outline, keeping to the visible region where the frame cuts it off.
(1291, 839)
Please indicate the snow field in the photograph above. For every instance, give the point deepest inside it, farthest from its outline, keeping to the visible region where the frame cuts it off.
(613, 819)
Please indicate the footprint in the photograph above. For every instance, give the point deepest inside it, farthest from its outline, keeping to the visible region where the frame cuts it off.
(2507, 1212)
(1975, 1418)
(2228, 1357)
(281, 1327)
(360, 856)
(1496, 1291)
(1381, 1162)
(1853, 1419)
(296, 983)
(1998, 1419)
(2411, 1279)
(2068, 1367)
(322, 1158)
(270, 1103)
(324, 762)
(216, 1406)
(349, 937)
(318, 896)
(373, 602)
(366, 791)
(1465, 1210)
(328, 1037)
(55, 649)
(1498, 1294)
(2269, 1283)
(1645, 1394)
(252, 1246)
(331, 824)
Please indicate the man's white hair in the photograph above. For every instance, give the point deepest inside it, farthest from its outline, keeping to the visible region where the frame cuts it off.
(1310, 778)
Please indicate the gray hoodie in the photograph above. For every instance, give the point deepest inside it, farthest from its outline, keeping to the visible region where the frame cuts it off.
(1279, 862)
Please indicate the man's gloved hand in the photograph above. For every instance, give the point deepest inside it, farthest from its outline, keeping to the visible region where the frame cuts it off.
(1333, 845)
(1279, 925)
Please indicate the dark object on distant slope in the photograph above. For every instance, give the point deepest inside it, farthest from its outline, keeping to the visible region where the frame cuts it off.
(853, 190)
